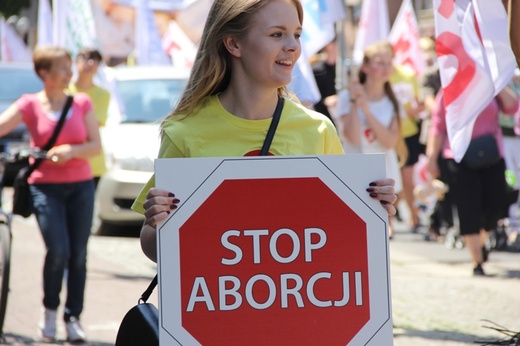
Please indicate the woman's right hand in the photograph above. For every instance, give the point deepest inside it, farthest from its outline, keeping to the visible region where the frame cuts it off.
(158, 205)
(433, 167)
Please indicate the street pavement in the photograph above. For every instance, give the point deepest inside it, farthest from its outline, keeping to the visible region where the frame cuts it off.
(435, 298)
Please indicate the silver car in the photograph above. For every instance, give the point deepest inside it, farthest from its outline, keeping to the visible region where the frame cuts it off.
(141, 97)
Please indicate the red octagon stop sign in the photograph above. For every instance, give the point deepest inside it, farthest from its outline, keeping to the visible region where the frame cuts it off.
(282, 261)
(270, 261)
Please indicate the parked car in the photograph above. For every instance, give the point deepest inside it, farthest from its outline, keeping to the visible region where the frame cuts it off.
(141, 97)
(16, 79)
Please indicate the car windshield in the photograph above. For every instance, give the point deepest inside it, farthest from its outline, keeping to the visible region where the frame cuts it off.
(15, 82)
(145, 101)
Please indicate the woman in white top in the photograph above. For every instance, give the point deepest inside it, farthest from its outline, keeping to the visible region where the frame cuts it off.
(369, 112)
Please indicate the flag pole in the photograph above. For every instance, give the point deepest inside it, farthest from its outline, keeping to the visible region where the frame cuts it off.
(344, 65)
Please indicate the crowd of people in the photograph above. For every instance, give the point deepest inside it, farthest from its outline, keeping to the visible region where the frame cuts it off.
(388, 108)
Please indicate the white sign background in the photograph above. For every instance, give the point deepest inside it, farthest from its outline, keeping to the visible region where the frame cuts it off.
(195, 179)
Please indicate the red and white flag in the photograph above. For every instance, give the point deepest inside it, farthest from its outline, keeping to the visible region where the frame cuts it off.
(373, 26)
(470, 38)
(12, 46)
(404, 37)
(178, 46)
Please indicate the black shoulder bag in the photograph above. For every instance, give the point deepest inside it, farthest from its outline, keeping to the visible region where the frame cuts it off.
(22, 199)
(140, 326)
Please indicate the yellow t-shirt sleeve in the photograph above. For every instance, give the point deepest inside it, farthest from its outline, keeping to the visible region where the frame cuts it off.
(167, 150)
(102, 107)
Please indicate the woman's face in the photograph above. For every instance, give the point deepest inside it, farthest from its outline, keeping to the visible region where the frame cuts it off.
(87, 66)
(379, 67)
(60, 73)
(271, 47)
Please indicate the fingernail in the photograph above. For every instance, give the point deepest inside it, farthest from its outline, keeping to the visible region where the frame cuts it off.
(383, 202)
(173, 206)
(168, 212)
(370, 189)
(176, 200)
(171, 195)
(373, 194)
(372, 184)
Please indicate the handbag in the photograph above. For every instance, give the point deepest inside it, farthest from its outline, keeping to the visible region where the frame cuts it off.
(11, 169)
(140, 325)
(482, 152)
(22, 198)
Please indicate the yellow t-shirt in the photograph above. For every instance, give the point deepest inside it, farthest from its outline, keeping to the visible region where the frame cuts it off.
(406, 89)
(100, 99)
(214, 132)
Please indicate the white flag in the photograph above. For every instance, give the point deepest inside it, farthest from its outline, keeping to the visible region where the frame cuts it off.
(73, 25)
(148, 46)
(44, 23)
(303, 84)
(12, 46)
(373, 26)
(404, 38)
(465, 59)
(492, 24)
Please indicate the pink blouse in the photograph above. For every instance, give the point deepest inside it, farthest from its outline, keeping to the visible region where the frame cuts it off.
(41, 126)
(486, 123)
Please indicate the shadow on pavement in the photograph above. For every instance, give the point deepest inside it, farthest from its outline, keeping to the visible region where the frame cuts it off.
(437, 335)
(20, 340)
(130, 230)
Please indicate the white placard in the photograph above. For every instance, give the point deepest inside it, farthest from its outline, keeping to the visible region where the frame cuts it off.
(262, 247)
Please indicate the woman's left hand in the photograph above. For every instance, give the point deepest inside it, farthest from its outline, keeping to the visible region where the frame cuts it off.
(383, 190)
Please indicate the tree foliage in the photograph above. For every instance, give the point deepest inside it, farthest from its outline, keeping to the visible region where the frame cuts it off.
(11, 7)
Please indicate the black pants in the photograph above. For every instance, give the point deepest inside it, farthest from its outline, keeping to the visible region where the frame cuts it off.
(480, 195)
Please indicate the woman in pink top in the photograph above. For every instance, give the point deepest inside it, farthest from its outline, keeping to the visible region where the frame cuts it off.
(62, 187)
(478, 193)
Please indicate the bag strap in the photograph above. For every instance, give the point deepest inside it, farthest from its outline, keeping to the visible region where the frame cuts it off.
(146, 294)
(272, 128)
(54, 136)
(265, 149)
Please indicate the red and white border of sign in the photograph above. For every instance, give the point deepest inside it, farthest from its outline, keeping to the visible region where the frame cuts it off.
(193, 180)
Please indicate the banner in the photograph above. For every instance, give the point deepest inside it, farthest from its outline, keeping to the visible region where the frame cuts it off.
(468, 42)
(404, 37)
(12, 46)
(44, 23)
(148, 48)
(73, 25)
(373, 26)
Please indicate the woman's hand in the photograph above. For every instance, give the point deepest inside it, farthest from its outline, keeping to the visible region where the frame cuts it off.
(158, 205)
(383, 190)
(61, 153)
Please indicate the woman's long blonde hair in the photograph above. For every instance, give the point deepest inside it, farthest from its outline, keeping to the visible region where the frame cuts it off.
(211, 71)
(370, 51)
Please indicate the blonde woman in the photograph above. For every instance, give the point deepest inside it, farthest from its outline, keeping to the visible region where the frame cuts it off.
(369, 112)
(247, 53)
